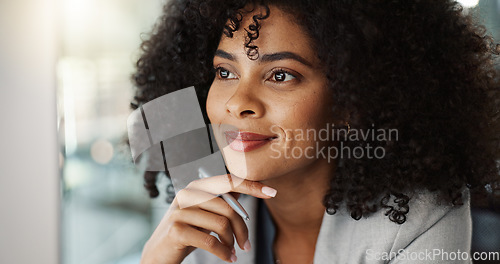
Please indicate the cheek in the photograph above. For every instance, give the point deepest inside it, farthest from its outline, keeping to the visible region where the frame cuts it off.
(214, 105)
(311, 112)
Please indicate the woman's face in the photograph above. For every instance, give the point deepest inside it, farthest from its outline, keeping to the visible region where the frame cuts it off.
(259, 107)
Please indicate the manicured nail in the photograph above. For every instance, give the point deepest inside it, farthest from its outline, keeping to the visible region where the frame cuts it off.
(233, 258)
(269, 191)
(247, 246)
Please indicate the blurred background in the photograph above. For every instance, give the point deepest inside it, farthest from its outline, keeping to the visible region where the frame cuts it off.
(106, 214)
(102, 214)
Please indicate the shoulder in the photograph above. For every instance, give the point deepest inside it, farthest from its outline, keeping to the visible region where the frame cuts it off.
(375, 239)
(431, 221)
(440, 231)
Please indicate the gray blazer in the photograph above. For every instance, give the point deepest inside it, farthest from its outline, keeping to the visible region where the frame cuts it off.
(432, 234)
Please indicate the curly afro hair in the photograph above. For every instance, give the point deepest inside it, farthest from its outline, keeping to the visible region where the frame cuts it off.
(421, 67)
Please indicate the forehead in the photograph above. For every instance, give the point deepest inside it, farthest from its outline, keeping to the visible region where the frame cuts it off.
(278, 32)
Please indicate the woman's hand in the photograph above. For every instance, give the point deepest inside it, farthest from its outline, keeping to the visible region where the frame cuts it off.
(195, 212)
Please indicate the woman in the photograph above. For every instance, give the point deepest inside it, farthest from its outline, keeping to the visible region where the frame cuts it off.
(405, 91)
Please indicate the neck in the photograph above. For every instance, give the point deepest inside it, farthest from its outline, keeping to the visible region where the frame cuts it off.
(297, 209)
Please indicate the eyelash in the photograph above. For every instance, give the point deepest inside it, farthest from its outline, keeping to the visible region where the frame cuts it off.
(218, 70)
(273, 74)
(280, 70)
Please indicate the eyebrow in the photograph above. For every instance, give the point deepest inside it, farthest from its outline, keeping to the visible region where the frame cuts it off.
(285, 55)
(225, 55)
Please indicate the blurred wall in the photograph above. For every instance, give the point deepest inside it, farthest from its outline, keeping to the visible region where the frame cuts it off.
(29, 188)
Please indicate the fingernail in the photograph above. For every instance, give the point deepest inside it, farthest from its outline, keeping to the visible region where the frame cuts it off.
(269, 191)
(247, 246)
(233, 251)
(233, 258)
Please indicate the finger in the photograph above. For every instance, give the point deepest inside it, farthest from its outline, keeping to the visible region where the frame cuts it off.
(189, 236)
(188, 197)
(207, 221)
(220, 207)
(192, 197)
(255, 187)
(239, 228)
(229, 183)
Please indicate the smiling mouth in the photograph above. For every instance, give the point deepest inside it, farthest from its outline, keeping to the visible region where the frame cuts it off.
(246, 141)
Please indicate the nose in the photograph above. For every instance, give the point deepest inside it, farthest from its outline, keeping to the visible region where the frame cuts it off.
(245, 103)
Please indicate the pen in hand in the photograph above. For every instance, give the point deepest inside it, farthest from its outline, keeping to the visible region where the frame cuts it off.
(227, 197)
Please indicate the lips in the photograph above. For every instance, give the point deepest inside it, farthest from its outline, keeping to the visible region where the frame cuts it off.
(246, 141)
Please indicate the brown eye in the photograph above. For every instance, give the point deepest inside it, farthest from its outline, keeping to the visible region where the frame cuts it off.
(225, 74)
(282, 76)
